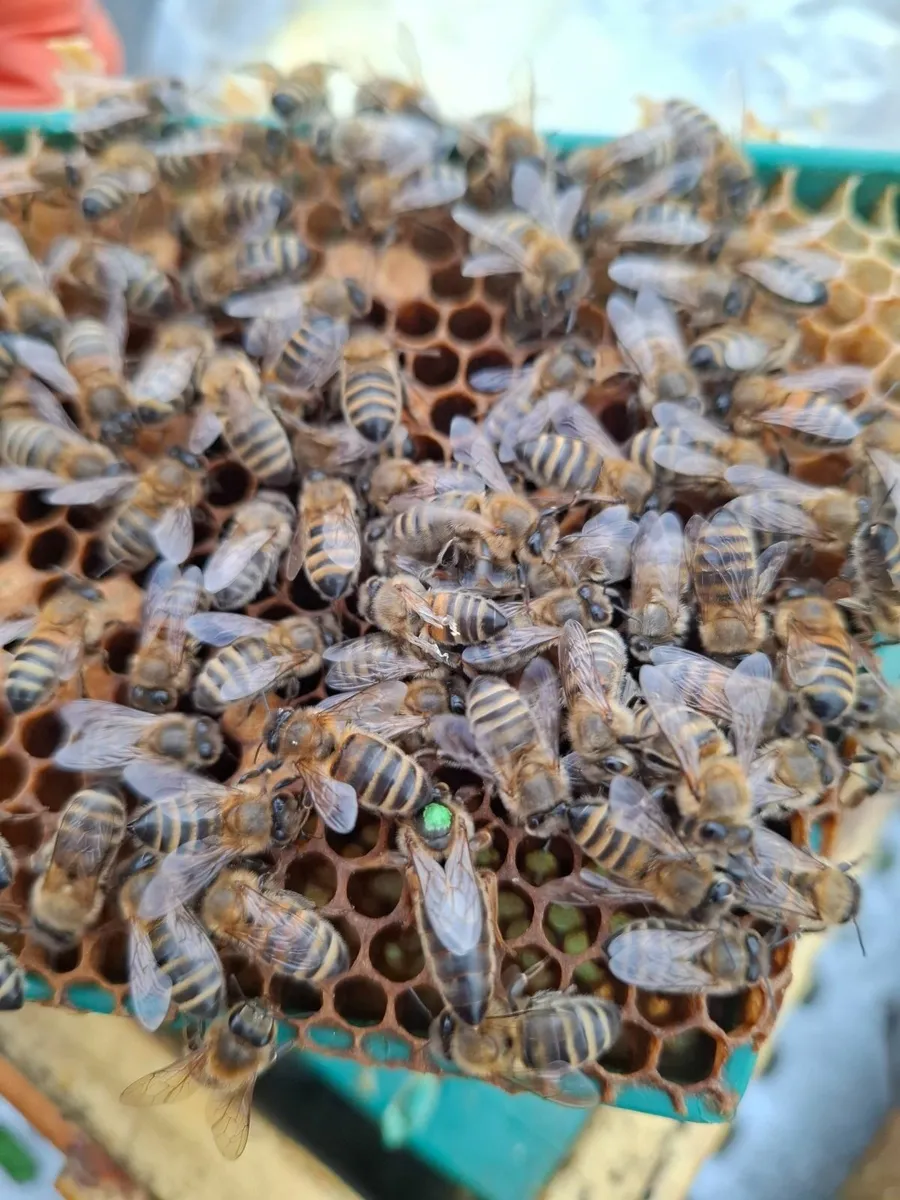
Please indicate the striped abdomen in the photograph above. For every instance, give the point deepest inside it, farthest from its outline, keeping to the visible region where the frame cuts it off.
(610, 659)
(472, 618)
(89, 833)
(250, 202)
(724, 551)
(501, 715)
(305, 351)
(261, 443)
(129, 540)
(597, 835)
(88, 347)
(465, 981)
(34, 672)
(384, 778)
(268, 258)
(192, 965)
(31, 443)
(164, 828)
(107, 192)
(249, 583)
(245, 652)
(567, 464)
(566, 1029)
(325, 950)
(372, 401)
(831, 692)
(831, 419)
(332, 559)
(12, 981)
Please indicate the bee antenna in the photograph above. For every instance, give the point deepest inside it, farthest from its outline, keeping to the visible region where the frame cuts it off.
(235, 985)
(859, 937)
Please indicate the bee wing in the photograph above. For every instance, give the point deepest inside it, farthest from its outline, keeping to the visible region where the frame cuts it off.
(804, 657)
(164, 376)
(748, 690)
(683, 461)
(42, 360)
(773, 514)
(14, 630)
(766, 888)
(657, 319)
(47, 408)
(636, 812)
(182, 874)
(422, 608)
(472, 449)
(746, 477)
(149, 989)
(576, 668)
(658, 566)
(273, 303)
(672, 417)
(844, 379)
(889, 470)
(112, 111)
(782, 277)
(665, 225)
(103, 734)
(666, 959)
(26, 479)
(455, 740)
(574, 420)
(221, 629)
(451, 896)
(769, 566)
(162, 782)
(560, 1082)
(206, 428)
(589, 888)
(825, 421)
(607, 535)
(260, 677)
(275, 932)
(372, 708)
(697, 681)
(369, 659)
(169, 1084)
(229, 1119)
(91, 491)
(492, 655)
(335, 802)
(539, 687)
(173, 533)
(630, 332)
(501, 379)
(672, 718)
(506, 255)
(172, 597)
(431, 190)
(230, 558)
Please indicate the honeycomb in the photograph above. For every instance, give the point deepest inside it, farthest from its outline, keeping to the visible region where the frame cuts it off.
(446, 327)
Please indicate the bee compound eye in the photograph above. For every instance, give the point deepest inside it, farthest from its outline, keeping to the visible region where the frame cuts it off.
(711, 831)
(457, 705)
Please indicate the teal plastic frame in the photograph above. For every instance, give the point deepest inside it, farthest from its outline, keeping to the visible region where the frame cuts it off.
(500, 1146)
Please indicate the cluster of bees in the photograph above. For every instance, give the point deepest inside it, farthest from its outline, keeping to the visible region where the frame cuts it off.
(538, 612)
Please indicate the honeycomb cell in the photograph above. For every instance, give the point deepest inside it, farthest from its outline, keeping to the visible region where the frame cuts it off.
(435, 367)
(295, 998)
(328, 1036)
(870, 276)
(889, 248)
(66, 961)
(31, 509)
(433, 243)
(688, 1058)
(277, 612)
(84, 517)
(572, 930)
(842, 236)
(228, 761)
(360, 841)
(312, 876)
(10, 540)
(845, 304)
(863, 345)
(738, 1014)
(5, 725)
(93, 560)
(229, 483)
(348, 931)
(887, 318)
(594, 978)
(416, 1008)
(375, 893)
(13, 774)
(243, 978)
(417, 319)
(665, 1010)
(500, 287)
(541, 859)
(24, 833)
(542, 971)
(377, 315)
(396, 953)
(515, 911)
(110, 956)
(615, 420)
(470, 324)
(325, 224)
(51, 549)
(386, 1048)
(360, 1001)
(488, 360)
(493, 855)
(455, 405)
(53, 787)
(40, 735)
(450, 284)
(631, 1052)
(305, 596)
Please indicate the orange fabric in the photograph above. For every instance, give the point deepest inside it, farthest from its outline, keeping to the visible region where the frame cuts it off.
(39, 38)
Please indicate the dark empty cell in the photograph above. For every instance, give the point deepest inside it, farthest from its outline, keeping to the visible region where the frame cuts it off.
(305, 596)
(93, 560)
(377, 315)
(228, 760)
(514, 911)
(111, 957)
(396, 953)
(30, 508)
(450, 284)
(242, 978)
(630, 1052)
(13, 773)
(277, 612)
(416, 1009)
(83, 517)
(50, 549)
(426, 449)
(614, 419)
(470, 324)
(325, 223)
(448, 407)
(688, 1057)
(119, 647)
(23, 832)
(312, 876)
(540, 859)
(205, 526)
(489, 360)
(435, 367)
(416, 319)
(374, 893)
(431, 242)
(543, 973)
(570, 929)
(228, 484)
(5, 725)
(360, 1001)
(41, 735)
(9, 540)
(66, 960)
(54, 787)
(294, 997)
(500, 287)
(737, 1014)
(664, 1010)
(359, 841)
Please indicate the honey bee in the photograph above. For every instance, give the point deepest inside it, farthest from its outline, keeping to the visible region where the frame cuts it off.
(375, 203)
(693, 446)
(712, 295)
(791, 774)
(778, 504)
(163, 664)
(658, 614)
(53, 644)
(453, 910)
(247, 559)
(873, 565)
(511, 736)
(74, 866)
(110, 737)
(601, 551)
(495, 144)
(818, 653)
(156, 518)
(372, 390)
(863, 778)
(629, 836)
(256, 656)
(648, 213)
(279, 928)
(730, 582)
(540, 1045)
(648, 333)
(233, 406)
(195, 157)
(729, 173)
(233, 211)
(397, 483)
(12, 981)
(623, 162)
(112, 117)
(40, 358)
(767, 343)
(201, 826)
(300, 96)
(93, 352)
(665, 955)
(327, 543)
(161, 386)
(371, 142)
(105, 270)
(373, 658)
(342, 765)
(402, 607)
(300, 333)
(38, 169)
(425, 533)
(29, 305)
(121, 173)
(713, 795)
(794, 888)
(170, 959)
(215, 275)
(792, 277)
(535, 244)
(235, 1051)
(802, 407)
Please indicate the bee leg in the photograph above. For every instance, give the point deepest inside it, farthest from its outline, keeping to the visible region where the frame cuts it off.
(489, 882)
